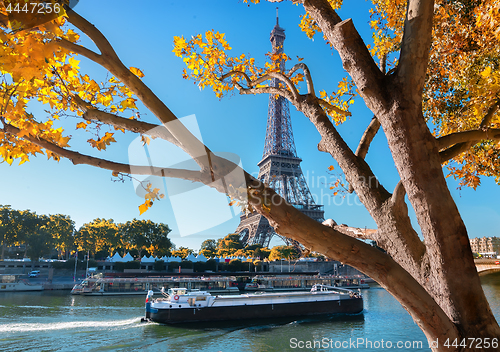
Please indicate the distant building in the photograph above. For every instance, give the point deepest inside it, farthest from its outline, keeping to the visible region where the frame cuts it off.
(486, 246)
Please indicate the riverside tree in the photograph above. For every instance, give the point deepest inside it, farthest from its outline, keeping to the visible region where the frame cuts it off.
(39, 234)
(146, 235)
(98, 235)
(438, 60)
(283, 252)
(208, 248)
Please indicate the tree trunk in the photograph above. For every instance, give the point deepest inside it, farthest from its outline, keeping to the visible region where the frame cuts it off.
(453, 280)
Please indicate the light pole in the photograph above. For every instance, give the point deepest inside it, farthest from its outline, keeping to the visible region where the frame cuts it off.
(87, 271)
(76, 261)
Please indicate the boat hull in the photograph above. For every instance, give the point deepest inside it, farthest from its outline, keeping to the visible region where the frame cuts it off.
(20, 287)
(256, 311)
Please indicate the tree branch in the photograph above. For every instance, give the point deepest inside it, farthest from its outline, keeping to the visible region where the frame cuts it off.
(93, 33)
(78, 158)
(372, 128)
(489, 115)
(4, 20)
(465, 144)
(307, 74)
(357, 171)
(329, 106)
(269, 90)
(80, 50)
(237, 73)
(454, 151)
(93, 114)
(415, 48)
(468, 136)
(355, 232)
(366, 140)
(356, 58)
(269, 75)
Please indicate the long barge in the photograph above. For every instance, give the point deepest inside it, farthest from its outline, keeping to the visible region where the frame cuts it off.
(105, 286)
(182, 306)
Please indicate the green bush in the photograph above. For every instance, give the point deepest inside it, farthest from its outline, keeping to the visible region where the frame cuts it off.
(186, 264)
(173, 266)
(235, 265)
(210, 264)
(159, 265)
(128, 265)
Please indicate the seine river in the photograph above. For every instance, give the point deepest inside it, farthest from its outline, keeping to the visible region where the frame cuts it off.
(58, 321)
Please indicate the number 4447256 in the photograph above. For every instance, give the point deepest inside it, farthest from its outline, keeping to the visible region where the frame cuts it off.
(35, 7)
(472, 342)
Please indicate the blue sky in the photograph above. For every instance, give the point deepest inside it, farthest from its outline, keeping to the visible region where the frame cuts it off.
(142, 34)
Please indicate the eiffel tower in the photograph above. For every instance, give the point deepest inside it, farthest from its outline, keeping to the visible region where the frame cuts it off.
(280, 166)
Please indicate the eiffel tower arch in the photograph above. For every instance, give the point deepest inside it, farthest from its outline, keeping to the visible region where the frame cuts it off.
(280, 165)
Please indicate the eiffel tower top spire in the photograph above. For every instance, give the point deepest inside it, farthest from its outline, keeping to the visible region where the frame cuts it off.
(279, 135)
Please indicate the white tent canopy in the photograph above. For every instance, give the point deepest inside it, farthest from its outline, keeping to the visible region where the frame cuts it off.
(128, 258)
(201, 258)
(116, 258)
(145, 259)
(191, 258)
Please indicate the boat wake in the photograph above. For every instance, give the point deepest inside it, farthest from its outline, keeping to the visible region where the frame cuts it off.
(91, 325)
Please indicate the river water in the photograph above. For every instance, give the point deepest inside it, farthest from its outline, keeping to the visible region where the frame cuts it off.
(58, 321)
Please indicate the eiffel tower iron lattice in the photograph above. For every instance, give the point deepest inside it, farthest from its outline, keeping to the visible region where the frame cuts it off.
(280, 166)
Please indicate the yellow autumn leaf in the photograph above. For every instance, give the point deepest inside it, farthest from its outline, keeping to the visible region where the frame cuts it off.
(143, 208)
(145, 140)
(486, 72)
(128, 103)
(136, 72)
(74, 63)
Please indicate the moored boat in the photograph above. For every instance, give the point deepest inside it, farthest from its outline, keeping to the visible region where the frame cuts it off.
(299, 282)
(103, 286)
(180, 305)
(10, 283)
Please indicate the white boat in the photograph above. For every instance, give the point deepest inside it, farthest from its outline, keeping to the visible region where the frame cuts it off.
(180, 305)
(102, 286)
(10, 283)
